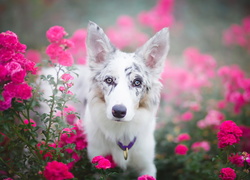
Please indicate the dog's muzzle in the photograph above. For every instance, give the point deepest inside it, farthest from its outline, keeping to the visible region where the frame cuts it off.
(119, 111)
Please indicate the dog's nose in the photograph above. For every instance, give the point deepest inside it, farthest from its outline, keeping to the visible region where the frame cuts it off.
(119, 111)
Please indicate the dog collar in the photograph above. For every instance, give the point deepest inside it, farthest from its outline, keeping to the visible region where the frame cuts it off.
(126, 148)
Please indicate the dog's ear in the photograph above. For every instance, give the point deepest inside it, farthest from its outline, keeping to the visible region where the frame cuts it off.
(155, 50)
(98, 44)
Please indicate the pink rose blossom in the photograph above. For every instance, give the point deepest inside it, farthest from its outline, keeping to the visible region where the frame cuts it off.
(70, 93)
(68, 112)
(74, 135)
(3, 73)
(159, 16)
(13, 69)
(62, 88)
(187, 116)
(30, 121)
(49, 154)
(237, 159)
(229, 134)
(33, 55)
(102, 163)
(202, 145)
(79, 49)
(96, 159)
(227, 174)
(181, 149)
(67, 77)
(54, 50)
(66, 58)
(57, 171)
(110, 158)
(125, 27)
(24, 91)
(55, 34)
(59, 49)
(213, 119)
(146, 177)
(183, 137)
(18, 77)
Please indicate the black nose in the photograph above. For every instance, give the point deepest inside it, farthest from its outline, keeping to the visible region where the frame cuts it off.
(119, 111)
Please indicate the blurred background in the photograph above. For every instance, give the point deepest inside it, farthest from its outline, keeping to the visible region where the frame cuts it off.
(196, 23)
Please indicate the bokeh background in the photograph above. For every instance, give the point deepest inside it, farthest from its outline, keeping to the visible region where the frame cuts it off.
(197, 23)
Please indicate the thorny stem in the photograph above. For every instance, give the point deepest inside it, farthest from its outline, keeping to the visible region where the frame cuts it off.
(31, 148)
(18, 115)
(52, 106)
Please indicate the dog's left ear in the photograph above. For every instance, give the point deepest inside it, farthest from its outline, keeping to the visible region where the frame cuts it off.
(155, 50)
(98, 44)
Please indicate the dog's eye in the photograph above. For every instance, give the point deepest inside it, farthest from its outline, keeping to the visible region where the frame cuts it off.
(137, 82)
(109, 80)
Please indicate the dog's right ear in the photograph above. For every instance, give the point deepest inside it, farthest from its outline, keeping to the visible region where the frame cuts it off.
(98, 44)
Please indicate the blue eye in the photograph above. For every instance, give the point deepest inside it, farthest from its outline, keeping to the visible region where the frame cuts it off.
(109, 81)
(137, 83)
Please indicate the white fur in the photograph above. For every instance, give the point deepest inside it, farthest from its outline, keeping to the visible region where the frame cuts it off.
(102, 128)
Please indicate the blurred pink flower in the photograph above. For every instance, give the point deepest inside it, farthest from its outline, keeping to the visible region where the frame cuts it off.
(237, 159)
(58, 50)
(55, 34)
(244, 143)
(227, 174)
(102, 163)
(68, 112)
(62, 88)
(238, 34)
(30, 121)
(66, 58)
(229, 134)
(79, 49)
(181, 149)
(125, 27)
(67, 77)
(57, 171)
(213, 119)
(146, 177)
(159, 16)
(187, 116)
(202, 145)
(183, 137)
(74, 135)
(236, 86)
(110, 158)
(33, 55)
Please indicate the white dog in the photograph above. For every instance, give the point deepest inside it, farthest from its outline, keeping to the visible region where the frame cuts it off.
(123, 99)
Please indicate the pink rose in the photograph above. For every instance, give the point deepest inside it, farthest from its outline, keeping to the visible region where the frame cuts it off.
(146, 177)
(229, 134)
(30, 121)
(227, 174)
(102, 163)
(67, 77)
(57, 171)
(183, 137)
(55, 34)
(202, 145)
(181, 149)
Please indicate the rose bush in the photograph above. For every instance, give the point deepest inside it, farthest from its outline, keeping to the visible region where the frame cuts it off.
(203, 128)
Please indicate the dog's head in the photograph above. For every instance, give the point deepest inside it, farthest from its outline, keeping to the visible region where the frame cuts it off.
(125, 82)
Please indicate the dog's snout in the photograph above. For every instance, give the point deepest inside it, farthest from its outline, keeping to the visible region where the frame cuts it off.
(119, 111)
